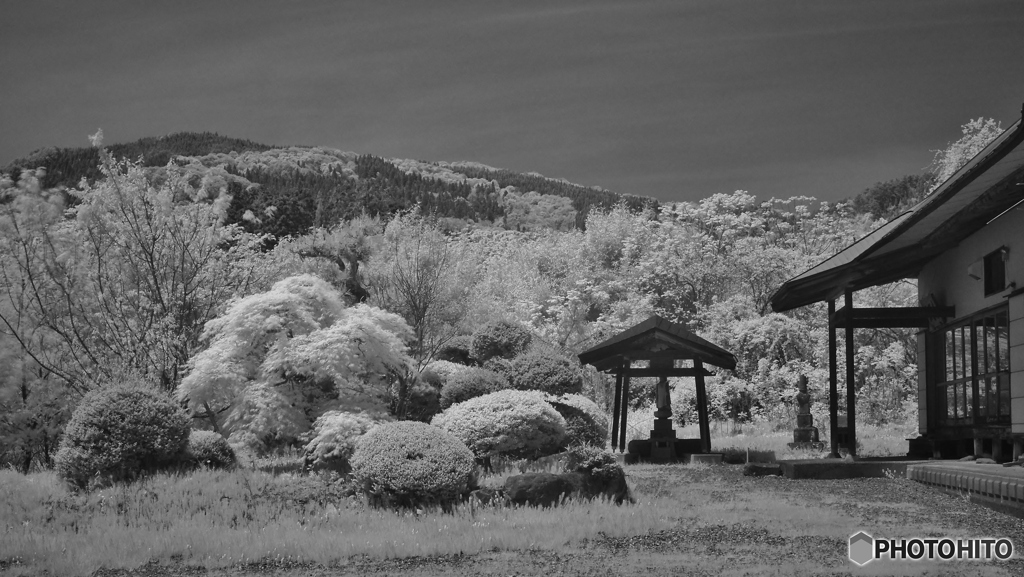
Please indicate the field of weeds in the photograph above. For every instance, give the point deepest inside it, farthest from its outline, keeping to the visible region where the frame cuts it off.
(688, 520)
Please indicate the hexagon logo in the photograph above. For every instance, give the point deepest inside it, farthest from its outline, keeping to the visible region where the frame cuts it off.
(861, 546)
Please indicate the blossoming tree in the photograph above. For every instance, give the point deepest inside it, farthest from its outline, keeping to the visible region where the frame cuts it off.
(279, 359)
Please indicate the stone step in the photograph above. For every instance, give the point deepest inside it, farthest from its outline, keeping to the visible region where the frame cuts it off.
(984, 481)
(843, 469)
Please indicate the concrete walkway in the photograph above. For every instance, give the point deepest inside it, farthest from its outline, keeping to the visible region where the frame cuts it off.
(994, 486)
(843, 469)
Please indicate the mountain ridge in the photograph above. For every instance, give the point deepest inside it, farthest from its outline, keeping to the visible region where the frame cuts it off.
(320, 186)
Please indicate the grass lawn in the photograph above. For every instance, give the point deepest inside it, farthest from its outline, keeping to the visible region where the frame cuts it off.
(689, 520)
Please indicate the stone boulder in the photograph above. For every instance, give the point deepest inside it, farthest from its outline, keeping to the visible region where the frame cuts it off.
(537, 489)
(548, 489)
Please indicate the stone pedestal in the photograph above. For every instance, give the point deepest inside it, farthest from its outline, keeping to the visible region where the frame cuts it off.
(706, 458)
(663, 441)
(805, 435)
(805, 431)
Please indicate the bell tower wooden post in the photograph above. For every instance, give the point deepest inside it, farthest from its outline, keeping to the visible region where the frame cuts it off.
(833, 381)
(851, 398)
(702, 407)
(615, 411)
(625, 411)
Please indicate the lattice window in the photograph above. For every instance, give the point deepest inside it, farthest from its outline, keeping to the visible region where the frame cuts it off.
(974, 385)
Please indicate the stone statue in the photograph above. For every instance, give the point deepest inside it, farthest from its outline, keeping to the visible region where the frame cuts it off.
(663, 436)
(803, 398)
(662, 401)
(805, 435)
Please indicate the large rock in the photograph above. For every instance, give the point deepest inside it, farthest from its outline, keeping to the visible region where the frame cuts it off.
(548, 489)
(537, 489)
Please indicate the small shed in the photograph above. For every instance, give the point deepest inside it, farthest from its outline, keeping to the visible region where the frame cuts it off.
(671, 350)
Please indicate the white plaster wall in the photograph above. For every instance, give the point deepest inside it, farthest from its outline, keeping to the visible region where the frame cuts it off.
(946, 278)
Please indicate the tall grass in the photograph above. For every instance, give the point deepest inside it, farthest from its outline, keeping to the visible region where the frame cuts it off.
(218, 519)
(270, 513)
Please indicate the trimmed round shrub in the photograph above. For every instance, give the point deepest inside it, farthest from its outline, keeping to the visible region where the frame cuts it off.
(513, 423)
(500, 366)
(471, 383)
(423, 403)
(209, 449)
(593, 461)
(445, 369)
(119, 432)
(412, 464)
(499, 339)
(585, 423)
(457, 350)
(552, 374)
(429, 376)
(332, 440)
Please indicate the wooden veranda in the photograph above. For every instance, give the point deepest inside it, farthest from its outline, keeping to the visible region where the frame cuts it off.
(849, 318)
(665, 346)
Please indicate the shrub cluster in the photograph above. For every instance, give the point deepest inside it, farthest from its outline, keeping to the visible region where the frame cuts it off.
(332, 440)
(119, 432)
(512, 423)
(411, 464)
(429, 376)
(593, 461)
(444, 369)
(423, 402)
(500, 366)
(499, 339)
(457, 350)
(470, 383)
(585, 422)
(209, 449)
(552, 374)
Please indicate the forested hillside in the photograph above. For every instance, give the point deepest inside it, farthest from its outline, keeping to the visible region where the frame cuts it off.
(135, 271)
(890, 198)
(67, 166)
(311, 187)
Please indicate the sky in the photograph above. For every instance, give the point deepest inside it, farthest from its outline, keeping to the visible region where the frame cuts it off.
(677, 99)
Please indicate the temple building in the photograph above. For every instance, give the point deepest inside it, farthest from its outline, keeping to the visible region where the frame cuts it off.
(964, 243)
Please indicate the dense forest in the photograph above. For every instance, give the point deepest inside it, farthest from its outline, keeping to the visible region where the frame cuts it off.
(113, 267)
(313, 187)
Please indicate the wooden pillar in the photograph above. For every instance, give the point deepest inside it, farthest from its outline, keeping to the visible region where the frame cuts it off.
(625, 410)
(851, 399)
(833, 381)
(702, 408)
(615, 411)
